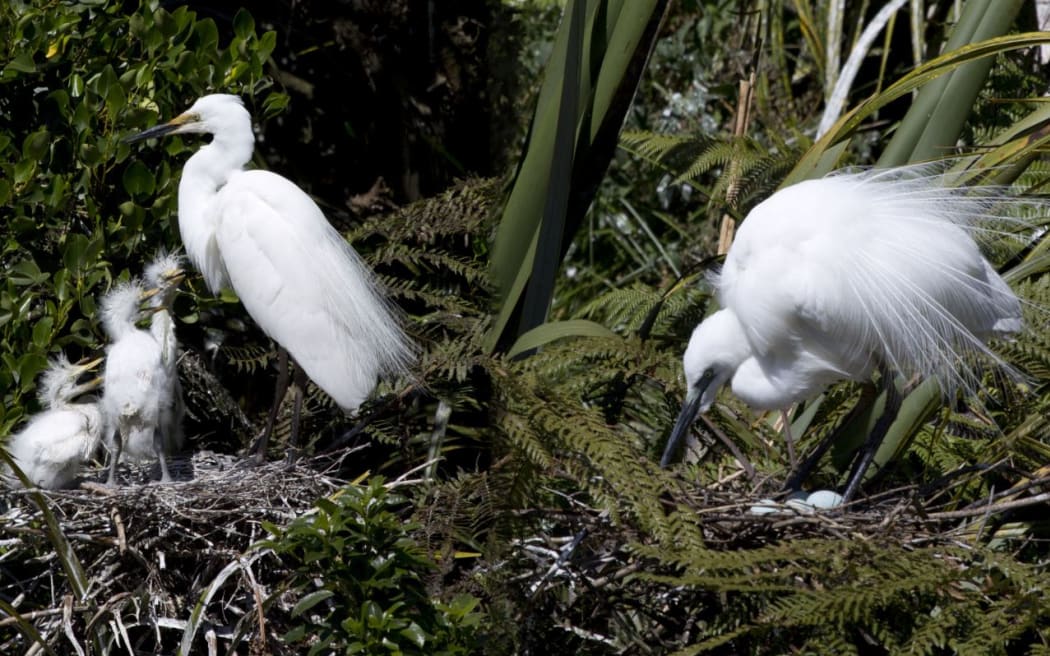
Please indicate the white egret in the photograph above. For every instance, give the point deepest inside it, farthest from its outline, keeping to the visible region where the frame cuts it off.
(830, 279)
(261, 235)
(163, 275)
(56, 443)
(135, 380)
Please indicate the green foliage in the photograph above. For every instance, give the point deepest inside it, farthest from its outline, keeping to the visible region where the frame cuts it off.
(851, 593)
(360, 580)
(80, 211)
(745, 169)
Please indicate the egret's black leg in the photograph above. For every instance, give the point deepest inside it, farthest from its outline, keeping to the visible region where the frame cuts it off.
(803, 471)
(258, 450)
(878, 433)
(299, 381)
(120, 436)
(158, 448)
(789, 438)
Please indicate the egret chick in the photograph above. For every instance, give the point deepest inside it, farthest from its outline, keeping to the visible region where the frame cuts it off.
(56, 443)
(259, 234)
(831, 279)
(135, 380)
(163, 275)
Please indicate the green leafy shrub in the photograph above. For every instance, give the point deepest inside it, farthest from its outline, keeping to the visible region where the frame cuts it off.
(360, 577)
(78, 210)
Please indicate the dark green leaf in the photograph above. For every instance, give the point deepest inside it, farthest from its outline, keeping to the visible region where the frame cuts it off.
(310, 600)
(35, 145)
(26, 273)
(138, 180)
(243, 24)
(42, 332)
(22, 63)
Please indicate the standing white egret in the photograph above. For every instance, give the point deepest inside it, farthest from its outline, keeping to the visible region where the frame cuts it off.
(163, 275)
(830, 279)
(55, 444)
(135, 380)
(261, 235)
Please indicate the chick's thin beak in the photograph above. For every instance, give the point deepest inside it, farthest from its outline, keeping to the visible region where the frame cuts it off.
(172, 278)
(92, 384)
(88, 365)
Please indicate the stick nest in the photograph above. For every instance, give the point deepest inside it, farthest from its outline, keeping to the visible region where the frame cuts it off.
(149, 550)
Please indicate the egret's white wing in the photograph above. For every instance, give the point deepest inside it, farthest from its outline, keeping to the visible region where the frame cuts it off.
(199, 218)
(773, 283)
(305, 286)
(860, 265)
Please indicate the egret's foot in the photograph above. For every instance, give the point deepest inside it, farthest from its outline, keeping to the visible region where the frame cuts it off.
(256, 459)
(291, 457)
(165, 475)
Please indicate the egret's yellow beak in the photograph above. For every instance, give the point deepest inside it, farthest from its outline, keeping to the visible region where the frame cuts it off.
(163, 129)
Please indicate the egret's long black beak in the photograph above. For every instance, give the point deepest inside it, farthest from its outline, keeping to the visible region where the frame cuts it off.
(690, 409)
(157, 130)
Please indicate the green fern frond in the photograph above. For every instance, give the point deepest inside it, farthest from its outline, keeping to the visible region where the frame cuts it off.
(654, 146)
(745, 169)
(249, 358)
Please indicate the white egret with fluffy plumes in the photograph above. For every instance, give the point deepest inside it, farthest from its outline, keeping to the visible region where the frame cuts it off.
(832, 279)
(163, 276)
(261, 235)
(135, 380)
(52, 448)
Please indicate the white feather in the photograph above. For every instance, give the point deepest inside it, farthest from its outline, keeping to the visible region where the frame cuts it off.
(829, 277)
(157, 275)
(54, 445)
(300, 281)
(136, 383)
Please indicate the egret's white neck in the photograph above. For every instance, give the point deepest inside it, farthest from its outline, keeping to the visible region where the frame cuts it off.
(162, 327)
(205, 173)
(717, 347)
(720, 340)
(208, 169)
